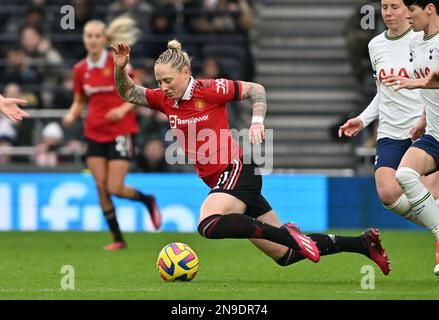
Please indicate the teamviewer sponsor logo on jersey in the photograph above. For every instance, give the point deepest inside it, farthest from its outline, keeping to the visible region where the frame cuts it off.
(174, 121)
(207, 146)
(89, 90)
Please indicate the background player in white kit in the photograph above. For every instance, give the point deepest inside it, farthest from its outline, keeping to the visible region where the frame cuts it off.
(399, 113)
(423, 156)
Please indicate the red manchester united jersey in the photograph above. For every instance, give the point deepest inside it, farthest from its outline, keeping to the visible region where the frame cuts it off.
(200, 123)
(96, 83)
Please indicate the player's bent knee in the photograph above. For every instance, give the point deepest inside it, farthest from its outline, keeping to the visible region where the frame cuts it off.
(115, 190)
(388, 198)
(289, 258)
(207, 226)
(282, 264)
(101, 185)
(406, 176)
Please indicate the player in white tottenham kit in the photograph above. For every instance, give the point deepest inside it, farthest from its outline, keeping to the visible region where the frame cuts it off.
(399, 113)
(423, 156)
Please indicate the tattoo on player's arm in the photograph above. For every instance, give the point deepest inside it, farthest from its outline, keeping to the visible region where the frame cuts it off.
(124, 83)
(138, 96)
(258, 98)
(128, 90)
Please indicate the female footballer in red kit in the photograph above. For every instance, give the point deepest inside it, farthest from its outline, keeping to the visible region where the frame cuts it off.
(110, 122)
(235, 207)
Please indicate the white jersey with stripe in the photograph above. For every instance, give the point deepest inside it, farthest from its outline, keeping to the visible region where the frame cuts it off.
(425, 51)
(398, 111)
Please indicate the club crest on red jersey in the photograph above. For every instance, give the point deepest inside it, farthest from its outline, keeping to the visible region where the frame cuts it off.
(107, 72)
(199, 104)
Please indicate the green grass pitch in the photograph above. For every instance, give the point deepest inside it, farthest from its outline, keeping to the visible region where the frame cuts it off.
(31, 263)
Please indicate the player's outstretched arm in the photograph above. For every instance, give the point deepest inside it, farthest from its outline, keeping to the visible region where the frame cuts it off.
(432, 80)
(419, 128)
(75, 110)
(258, 98)
(350, 128)
(9, 107)
(354, 125)
(127, 89)
(399, 82)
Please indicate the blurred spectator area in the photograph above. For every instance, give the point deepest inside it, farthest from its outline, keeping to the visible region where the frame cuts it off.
(298, 49)
(159, 21)
(37, 56)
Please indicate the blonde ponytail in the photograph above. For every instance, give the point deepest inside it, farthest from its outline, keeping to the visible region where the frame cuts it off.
(175, 56)
(174, 44)
(122, 29)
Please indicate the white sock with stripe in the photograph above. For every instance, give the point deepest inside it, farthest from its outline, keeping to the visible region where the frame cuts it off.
(420, 199)
(403, 208)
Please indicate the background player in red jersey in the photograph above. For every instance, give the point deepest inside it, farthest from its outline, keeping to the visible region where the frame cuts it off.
(9, 107)
(110, 122)
(235, 207)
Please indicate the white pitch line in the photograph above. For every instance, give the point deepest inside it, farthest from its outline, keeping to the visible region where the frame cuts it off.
(42, 290)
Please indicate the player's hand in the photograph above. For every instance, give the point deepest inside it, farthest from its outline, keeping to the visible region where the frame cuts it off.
(399, 82)
(418, 129)
(115, 114)
(68, 120)
(351, 127)
(9, 107)
(256, 133)
(432, 80)
(121, 54)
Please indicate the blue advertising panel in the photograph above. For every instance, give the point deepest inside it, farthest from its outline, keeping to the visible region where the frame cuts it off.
(53, 201)
(299, 198)
(354, 203)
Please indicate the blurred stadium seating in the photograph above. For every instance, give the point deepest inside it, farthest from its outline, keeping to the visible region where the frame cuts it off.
(299, 55)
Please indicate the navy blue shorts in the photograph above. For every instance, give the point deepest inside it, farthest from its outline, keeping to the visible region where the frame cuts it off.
(429, 145)
(389, 152)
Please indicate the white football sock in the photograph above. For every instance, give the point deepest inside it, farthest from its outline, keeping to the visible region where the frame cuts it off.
(420, 199)
(403, 208)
